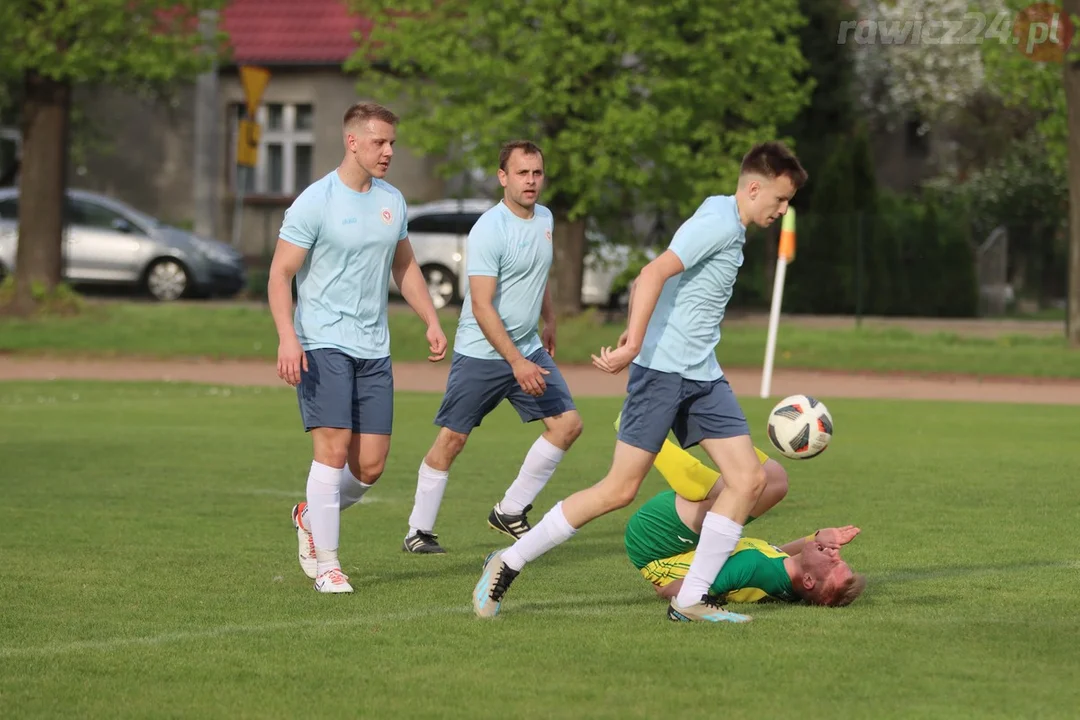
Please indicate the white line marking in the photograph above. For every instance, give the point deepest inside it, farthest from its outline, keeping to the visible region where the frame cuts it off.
(581, 606)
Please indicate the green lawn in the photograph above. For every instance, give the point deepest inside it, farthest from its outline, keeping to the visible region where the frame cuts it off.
(240, 331)
(150, 571)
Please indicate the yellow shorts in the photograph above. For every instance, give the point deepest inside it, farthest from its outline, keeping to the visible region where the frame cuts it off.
(667, 570)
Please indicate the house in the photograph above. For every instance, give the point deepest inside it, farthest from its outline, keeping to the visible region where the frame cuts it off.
(149, 153)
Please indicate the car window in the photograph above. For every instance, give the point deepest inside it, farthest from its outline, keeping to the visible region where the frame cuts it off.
(90, 214)
(464, 221)
(435, 223)
(9, 209)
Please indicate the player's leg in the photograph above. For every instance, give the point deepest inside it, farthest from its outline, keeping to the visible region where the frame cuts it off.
(562, 424)
(325, 396)
(373, 422)
(473, 389)
(776, 488)
(650, 406)
(715, 419)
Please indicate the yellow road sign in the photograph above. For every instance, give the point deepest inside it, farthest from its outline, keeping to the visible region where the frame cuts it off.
(254, 79)
(247, 143)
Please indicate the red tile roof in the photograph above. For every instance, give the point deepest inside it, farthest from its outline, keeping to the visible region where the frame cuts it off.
(287, 32)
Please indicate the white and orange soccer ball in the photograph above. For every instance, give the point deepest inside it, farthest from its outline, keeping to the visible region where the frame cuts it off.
(800, 427)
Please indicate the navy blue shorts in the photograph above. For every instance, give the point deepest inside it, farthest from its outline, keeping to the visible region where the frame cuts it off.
(475, 387)
(659, 402)
(340, 391)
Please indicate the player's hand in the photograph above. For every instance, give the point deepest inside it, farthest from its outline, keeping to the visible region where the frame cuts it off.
(614, 361)
(290, 360)
(622, 338)
(837, 537)
(547, 338)
(530, 377)
(436, 343)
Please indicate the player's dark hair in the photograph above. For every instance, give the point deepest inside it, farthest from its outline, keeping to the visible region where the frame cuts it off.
(364, 111)
(526, 146)
(771, 160)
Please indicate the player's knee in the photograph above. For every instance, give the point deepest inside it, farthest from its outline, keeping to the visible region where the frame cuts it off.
(371, 469)
(448, 445)
(568, 430)
(776, 480)
(751, 483)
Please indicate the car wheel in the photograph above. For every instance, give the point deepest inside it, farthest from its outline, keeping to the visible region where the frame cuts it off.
(166, 280)
(442, 285)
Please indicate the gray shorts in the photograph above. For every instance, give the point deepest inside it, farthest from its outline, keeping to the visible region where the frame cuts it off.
(659, 402)
(475, 387)
(340, 391)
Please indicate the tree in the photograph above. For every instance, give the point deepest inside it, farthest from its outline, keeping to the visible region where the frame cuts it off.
(51, 45)
(638, 105)
(1046, 79)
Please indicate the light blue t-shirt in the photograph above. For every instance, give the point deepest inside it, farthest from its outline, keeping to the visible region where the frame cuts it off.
(685, 327)
(342, 287)
(517, 252)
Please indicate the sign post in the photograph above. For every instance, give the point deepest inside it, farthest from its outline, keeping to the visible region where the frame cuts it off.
(254, 80)
(784, 255)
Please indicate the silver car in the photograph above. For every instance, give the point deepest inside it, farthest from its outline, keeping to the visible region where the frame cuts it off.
(107, 242)
(438, 230)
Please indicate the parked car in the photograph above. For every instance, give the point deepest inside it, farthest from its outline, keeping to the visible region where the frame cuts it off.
(107, 242)
(438, 230)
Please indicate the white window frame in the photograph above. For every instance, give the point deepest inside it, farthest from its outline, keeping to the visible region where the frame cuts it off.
(288, 137)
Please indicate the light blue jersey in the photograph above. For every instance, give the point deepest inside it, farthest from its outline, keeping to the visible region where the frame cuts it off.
(518, 253)
(351, 238)
(685, 327)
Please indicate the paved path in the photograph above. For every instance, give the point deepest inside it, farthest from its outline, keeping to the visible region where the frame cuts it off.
(583, 380)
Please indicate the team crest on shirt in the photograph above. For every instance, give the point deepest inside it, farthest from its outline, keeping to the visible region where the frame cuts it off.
(387, 216)
(547, 234)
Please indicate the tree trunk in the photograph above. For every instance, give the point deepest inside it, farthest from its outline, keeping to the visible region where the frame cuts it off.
(1072, 101)
(568, 264)
(46, 110)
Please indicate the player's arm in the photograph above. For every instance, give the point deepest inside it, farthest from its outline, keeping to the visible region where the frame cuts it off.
(529, 375)
(830, 537)
(287, 260)
(645, 292)
(410, 280)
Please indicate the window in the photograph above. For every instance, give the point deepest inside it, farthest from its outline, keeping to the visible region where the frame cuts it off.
(9, 209)
(446, 223)
(285, 161)
(88, 214)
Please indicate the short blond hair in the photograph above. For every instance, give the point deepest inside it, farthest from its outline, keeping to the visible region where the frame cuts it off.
(849, 591)
(364, 111)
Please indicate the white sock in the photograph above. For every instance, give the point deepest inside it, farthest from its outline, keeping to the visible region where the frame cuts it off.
(719, 536)
(551, 531)
(539, 465)
(430, 485)
(323, 510)
(351, 489)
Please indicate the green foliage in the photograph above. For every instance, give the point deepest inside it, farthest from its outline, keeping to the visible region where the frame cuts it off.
(60, 301)
(1036, 86)
(631, 100)
(861, 249)
(115, 41)
(1026, 192)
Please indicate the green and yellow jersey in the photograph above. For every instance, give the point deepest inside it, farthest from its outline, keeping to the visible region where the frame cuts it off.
(662, 547)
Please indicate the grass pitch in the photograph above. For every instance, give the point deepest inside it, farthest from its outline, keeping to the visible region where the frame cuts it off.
(149, 570)
(245, 331)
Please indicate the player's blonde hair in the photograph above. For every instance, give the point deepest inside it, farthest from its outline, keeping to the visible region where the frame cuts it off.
(364, 111)
(848, 592)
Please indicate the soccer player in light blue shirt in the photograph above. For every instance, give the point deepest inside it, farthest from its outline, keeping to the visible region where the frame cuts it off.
(676, 384)
(499, 354)
(341, 239)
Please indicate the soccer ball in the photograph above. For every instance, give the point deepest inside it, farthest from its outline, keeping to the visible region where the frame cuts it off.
(800, 427)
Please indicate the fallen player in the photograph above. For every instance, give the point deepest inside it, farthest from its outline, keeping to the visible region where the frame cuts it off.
(661, 538)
